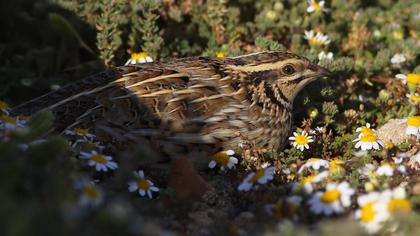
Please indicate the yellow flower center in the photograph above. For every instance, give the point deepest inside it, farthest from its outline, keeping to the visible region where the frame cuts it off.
(136, 56)
(81, 131)
(368, 214)
(330, 196)
(367, 131)
(316, 6)
(301, 140)
(389, 145)
(314, 41)
(221, 158)
(98, 158)
(399, 206)
(220, 54)
(413, 78)
(336, 166)
(8, 119)
(257, 176)
(308, 179)
(368, 138)
(415, 98)
(3, 105)
(398, 34)
(143, 184)
(90, 192)
(413, 121)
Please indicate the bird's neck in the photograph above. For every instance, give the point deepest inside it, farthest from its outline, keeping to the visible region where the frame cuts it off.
(269, 97)
(271, 112)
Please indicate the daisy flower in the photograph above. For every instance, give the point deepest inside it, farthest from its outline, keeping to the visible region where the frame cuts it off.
(367, 140)
(10, 123)
(101, 162)
(366, 130)
(315, 6)
(398, 58)
(4, 107)
(301, 141)
(307, 182)
(141, 57)
(411, 78)
(261, 176)
(385, 169)
(90, 194)
(284, 207)
(142, 185)
(397, 202)
(413, 126)
(317, 39)
(223, 159)
(372, 213)
(414, 98)
(325, 56)
(398, 34)
(335, 198)
(314, 163)
(80, 132)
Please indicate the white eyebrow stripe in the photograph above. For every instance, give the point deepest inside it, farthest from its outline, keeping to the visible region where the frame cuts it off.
(264, 66)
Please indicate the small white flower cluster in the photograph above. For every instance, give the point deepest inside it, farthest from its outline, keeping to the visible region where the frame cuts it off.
(398, 59)
(328, 56)
(89, 149)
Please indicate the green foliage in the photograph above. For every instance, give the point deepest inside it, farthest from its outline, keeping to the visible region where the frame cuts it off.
(109, 35)
(268, 44)
(145, 27)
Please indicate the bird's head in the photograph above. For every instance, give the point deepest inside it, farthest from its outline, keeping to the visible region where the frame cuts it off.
(280, 70)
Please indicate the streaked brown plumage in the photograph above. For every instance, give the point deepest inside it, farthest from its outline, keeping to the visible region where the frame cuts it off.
(186, 101)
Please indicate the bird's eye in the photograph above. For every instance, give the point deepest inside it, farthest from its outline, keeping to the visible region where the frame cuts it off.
(288, 69)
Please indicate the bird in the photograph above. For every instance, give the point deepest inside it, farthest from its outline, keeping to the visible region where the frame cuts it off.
(177, 104)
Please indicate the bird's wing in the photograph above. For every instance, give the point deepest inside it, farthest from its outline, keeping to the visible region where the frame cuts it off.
(175, 102)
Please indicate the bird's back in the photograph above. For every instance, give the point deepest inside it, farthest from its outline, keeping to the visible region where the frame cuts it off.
(182, 101)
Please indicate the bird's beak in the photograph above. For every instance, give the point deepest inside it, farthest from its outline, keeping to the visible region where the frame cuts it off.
(321, 71)
(317, 71)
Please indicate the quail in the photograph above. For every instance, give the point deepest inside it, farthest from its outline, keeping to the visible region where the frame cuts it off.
(211, 102)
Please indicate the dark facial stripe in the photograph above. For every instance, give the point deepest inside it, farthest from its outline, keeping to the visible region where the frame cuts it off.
(270, 94)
